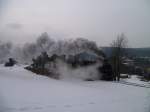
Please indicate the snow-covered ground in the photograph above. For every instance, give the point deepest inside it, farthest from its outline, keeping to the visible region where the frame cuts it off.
(23, 91)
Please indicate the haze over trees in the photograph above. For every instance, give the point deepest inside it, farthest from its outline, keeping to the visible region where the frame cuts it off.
(44, 43)
(5, 50)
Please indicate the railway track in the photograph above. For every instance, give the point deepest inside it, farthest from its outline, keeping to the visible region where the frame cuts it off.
(134, 84)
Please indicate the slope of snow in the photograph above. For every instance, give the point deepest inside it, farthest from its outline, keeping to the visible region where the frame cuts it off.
(23, 91)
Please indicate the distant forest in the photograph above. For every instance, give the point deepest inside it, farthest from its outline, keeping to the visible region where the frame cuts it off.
(138, 52)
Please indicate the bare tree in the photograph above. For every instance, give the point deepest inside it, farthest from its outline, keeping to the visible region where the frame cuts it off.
(118, 51)
(44, 42)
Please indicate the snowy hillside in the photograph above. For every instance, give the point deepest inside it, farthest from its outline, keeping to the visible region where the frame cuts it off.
(23, 91)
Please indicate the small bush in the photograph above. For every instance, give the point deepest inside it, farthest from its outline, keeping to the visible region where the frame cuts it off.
(10, 63)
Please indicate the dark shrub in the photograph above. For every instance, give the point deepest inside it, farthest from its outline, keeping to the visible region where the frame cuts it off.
(106, 69)
(10, 63)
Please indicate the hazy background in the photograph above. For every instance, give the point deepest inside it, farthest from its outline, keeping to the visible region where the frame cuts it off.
(99, 20)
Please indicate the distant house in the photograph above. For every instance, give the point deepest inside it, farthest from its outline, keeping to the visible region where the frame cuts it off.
(128, 62)
(86, 57)
(70, 59)
(83, 58)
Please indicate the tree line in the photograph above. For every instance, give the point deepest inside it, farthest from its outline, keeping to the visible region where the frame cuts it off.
(44, 43)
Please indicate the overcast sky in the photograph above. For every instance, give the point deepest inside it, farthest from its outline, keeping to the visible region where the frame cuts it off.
(99, 20)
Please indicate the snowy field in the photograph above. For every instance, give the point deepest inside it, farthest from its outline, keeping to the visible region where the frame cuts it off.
(23, 91)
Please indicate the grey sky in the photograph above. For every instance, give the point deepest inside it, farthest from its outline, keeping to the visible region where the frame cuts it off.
(99, 20)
